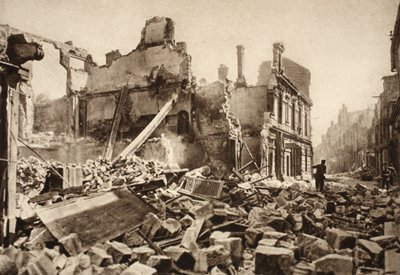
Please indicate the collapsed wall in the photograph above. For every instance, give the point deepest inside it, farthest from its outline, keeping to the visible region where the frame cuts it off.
(217, 130)
(158, 68)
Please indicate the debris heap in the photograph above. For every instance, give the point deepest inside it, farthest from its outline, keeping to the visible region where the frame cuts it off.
(252, 226)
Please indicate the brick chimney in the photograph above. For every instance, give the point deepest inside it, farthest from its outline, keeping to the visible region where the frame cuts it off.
(111, 56)
(223, 72)
(241, 80)
(278, 49)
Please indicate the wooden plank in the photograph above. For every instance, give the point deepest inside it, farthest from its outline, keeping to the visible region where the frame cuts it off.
(108, 151)
(98, 218)
(238, 174)
(251, 155)
(13, 107)
(145, 134)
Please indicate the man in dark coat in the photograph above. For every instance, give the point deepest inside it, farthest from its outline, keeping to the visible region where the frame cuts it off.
(320, 175)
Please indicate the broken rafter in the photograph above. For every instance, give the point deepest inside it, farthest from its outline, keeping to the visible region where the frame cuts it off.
(145, 134)
(108, 150)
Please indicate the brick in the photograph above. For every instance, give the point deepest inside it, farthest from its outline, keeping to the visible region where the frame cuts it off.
(334, 263)
(273, 260)
(162, 263)
(182, 257)
(139, 269)
(339, 239)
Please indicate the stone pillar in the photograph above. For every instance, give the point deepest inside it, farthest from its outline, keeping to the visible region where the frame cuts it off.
(278, 49)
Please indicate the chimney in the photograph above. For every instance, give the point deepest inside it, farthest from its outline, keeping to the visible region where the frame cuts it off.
(241, 80)
(223, 72)
(111, 56)
(278, 49)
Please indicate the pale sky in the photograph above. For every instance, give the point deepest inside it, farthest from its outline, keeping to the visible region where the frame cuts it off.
(344, 43)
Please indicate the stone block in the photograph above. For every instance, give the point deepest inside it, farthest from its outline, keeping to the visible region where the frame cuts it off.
(170, 227)
(385, 241)
(120, 252)
(151, 225)
(392, 228)
(7, 266)
(273, 260)
(209, 257)
(253, 236)
(99, 256)
(334, 264)
(139, 269)
(313, 248)
(42, 265)
(234, 246)
(203, 210)
(268, 242)
(142, 254)
(132, 239)
(191, 234)
(339, 239)
(72, 244)
(60, 261)
(182, 257)
(371, 247)
(115, 269)
(163, 264)
(218, 235)
(186, 221)
(392, 261)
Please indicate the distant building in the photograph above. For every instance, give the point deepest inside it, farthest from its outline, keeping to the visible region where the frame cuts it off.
(347, 144)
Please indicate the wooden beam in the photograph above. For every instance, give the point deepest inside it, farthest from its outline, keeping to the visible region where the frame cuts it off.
(13, 111)
(145, 134)
(108, 150)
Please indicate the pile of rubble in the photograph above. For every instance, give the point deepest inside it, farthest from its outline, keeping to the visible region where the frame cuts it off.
(253, 226)
(94, 174)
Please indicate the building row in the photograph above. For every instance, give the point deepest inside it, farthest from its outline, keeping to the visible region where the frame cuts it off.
(226, 124)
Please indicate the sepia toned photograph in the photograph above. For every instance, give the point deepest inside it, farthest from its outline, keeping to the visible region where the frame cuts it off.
(229, 137)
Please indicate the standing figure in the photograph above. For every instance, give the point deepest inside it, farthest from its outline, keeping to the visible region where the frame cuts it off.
(385, 177)
(320, 175)
(392, 174)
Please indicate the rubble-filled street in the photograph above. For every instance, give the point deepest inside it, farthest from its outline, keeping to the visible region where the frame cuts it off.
(200, 137)
(254, 226)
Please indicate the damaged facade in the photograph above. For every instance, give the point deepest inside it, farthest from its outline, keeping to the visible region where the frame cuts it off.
(275, 116)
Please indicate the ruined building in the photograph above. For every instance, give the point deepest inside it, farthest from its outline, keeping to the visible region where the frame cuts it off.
(151, 92)
(275, 115)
